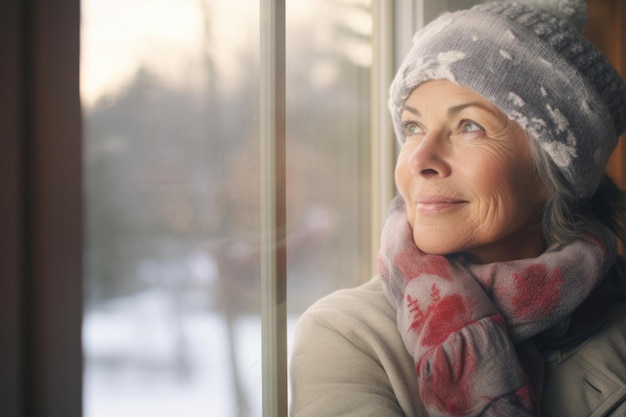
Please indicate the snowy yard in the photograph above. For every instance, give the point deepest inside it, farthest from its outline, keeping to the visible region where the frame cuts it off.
(145, 358)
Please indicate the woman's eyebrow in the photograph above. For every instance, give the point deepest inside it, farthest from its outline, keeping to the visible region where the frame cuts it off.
(412, 110)
(454, 110)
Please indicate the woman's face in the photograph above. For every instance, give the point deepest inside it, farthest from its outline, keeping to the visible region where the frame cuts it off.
(466, 174)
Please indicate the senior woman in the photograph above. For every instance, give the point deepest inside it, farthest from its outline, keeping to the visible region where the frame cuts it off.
(500, 290)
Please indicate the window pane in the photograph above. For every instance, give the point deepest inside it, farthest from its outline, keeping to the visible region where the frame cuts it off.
(171, 102)
(328, 134)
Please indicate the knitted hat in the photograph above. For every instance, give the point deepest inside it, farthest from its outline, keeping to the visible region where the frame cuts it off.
(535, 66)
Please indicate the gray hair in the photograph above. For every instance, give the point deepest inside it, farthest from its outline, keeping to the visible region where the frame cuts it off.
(566, 217)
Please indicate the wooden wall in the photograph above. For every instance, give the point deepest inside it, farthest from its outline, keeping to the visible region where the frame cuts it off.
(605, 29)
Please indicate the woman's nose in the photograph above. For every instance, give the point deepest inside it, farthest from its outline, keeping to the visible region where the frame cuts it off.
(429, 157)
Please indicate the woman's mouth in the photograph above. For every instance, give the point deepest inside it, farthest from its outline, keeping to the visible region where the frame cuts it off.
(435, 204)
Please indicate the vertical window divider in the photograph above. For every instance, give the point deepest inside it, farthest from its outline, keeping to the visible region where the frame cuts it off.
(382, 138)
(273, 209)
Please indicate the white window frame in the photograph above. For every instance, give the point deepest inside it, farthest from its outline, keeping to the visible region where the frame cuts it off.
(273, 209)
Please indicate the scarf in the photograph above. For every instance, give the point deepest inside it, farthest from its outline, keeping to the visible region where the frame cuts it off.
(460, 321)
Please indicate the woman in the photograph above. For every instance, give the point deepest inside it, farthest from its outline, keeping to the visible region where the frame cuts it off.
(500, 291)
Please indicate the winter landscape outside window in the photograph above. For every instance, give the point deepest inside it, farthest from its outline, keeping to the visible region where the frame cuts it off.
(170, 93)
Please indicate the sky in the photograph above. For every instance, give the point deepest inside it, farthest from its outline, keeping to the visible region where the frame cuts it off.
(169, 36)
(119, 36)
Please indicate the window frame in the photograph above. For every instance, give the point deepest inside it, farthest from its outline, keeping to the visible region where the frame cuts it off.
(273, 205)
(41, 209)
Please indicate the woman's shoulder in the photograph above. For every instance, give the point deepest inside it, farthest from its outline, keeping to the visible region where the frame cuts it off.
(365, 299)
(348, 358)
(361, 315)
(590, 378)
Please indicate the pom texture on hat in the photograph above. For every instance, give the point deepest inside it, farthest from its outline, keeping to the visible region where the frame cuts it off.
(537, 68)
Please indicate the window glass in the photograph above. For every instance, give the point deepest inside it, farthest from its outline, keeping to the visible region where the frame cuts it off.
(170, 93)
(328, 135)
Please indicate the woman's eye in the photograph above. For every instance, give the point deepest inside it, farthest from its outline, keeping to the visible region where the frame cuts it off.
(411, 129)
(469, 126)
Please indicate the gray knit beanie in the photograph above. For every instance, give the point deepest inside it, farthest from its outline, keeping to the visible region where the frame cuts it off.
(533, 63)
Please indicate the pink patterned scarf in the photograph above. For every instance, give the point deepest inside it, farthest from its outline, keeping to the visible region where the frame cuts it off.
(460, 321)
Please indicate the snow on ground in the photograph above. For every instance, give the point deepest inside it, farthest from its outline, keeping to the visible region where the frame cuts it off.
(145, 358)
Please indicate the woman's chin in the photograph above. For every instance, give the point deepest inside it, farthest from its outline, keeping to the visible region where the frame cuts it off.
(436, 248)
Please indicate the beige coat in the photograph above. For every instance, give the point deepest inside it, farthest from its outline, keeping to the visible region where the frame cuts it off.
(348, 359)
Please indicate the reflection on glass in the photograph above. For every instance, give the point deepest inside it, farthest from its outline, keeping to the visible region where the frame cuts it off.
(170, 96)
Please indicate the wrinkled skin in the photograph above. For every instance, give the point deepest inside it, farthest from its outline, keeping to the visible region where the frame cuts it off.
(467, 176)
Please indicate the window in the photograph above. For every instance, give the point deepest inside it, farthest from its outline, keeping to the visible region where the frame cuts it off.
(172, 151)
